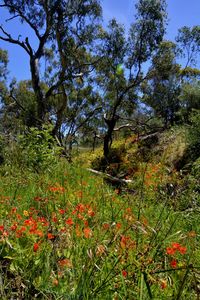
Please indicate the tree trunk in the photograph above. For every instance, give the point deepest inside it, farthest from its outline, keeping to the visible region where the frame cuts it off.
(41, 106)
(108, 136)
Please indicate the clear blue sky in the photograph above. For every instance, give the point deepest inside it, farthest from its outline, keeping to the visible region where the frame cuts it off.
(180, 13)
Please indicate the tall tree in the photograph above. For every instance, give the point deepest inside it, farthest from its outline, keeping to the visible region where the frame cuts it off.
(161, 90)
(189, 42)
(121, 71)
(65, 26)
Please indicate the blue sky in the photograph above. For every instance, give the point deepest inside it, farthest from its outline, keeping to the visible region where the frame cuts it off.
(180, 13)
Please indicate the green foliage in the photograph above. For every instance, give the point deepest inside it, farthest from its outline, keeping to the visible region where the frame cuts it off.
(110, 164)
(38, 149)
(162, 87)
(66, 235)
(189, 41)
(35, 150)
(194, 133)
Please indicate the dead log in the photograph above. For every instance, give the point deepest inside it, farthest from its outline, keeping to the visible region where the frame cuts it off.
(111, 178)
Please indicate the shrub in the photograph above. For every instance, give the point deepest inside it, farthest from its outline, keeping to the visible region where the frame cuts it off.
(38, 149)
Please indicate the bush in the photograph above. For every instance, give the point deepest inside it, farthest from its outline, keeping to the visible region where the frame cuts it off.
(39, 149)
(115, 157)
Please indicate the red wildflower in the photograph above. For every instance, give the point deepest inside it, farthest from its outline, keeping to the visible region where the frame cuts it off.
(69, 221)
(86, 223)
(124, 273)
(29, 222)
(5, 233)
(35, 247)
(182, 250)
(39, 232)
(79, 216)
(65, 263)
(118, 225)
(50, 236)
(163, 284)
(176, 246)
(1, 228)
(173, 263)
(80, 207)
(14, 209)
(43, 220)
(170, 251)
(124, 241)
(61, 211)
(91, 213)
(87, 232)
(106, 226)
(78, 231)
(13, 227)
(33, 229)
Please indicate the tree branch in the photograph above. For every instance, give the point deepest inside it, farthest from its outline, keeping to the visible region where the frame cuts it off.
(20, 14)
(9, 39)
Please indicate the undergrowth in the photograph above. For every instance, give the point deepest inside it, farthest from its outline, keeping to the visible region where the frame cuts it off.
(66, 235)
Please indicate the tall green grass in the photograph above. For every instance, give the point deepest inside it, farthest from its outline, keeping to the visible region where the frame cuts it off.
(65, 234)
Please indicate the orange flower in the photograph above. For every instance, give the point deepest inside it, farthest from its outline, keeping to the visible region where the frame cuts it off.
(86, 223)
(124, 241)
(87, 232)
(55, 282)
(5, 233)
(39, 232)
(35, 247)
(50, 236)
(124, 273)
(106, 226)
(163, 284)
(173, 263)
(80, 207)
(69, 221)
(170, 251)
(176, 246)
(78, 231)
(182, 250)
(118, 225)
(13, 227)
(65, 263)
(1, 228)
(91, 213)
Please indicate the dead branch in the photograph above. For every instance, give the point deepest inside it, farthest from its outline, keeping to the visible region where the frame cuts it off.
(110, 178)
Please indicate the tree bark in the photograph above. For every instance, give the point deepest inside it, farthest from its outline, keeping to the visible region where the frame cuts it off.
(108, 136)
(41, 105)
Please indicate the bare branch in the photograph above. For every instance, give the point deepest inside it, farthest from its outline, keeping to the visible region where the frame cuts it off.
(129, 126)
(10, 39)
(9, 19)
(110, 178)
(21, 15)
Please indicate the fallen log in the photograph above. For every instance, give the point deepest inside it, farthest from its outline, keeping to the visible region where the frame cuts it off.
(110, 177)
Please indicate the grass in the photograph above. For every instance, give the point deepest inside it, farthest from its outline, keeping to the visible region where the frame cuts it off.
(67, 235)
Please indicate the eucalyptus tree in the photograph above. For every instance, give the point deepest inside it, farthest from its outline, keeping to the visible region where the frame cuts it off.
(64, 31)
(162, 88)
(188, 40)
(3, 74)
(121, 72)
